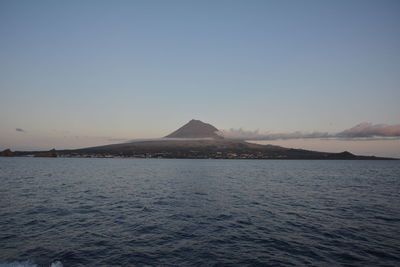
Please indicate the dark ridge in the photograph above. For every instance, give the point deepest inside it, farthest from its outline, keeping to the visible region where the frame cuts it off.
(7, 153)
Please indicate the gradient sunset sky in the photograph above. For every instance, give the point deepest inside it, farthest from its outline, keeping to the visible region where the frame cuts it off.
(83, 73)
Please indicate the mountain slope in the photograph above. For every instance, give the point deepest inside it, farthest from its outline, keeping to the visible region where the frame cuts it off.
(218, 148)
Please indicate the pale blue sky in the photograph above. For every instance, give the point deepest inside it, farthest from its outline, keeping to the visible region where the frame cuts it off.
(132, 69)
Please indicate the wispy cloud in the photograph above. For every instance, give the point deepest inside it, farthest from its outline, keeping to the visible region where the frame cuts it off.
(256, 135)
(20, 130)
(360, 131)
(117, 139)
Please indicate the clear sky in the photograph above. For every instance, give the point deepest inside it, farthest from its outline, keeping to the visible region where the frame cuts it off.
(81, 73)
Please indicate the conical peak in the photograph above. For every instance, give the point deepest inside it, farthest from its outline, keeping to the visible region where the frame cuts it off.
(197, 122)
(195, 129)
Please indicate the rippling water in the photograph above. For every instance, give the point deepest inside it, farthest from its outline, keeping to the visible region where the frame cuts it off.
(160, 212)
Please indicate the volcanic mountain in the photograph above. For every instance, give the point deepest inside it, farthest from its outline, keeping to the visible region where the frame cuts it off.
(196, 129)
(196, 140)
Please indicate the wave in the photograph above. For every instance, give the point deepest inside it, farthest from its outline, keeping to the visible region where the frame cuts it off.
(28, 264)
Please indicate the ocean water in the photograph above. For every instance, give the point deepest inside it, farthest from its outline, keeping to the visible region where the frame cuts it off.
(166, 212)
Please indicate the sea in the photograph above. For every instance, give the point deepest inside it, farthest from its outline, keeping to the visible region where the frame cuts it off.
(198, 212)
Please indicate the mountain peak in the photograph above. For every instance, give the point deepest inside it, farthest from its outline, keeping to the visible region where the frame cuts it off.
(195, 129)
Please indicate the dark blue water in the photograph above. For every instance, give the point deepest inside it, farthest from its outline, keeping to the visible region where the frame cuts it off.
(160, 212)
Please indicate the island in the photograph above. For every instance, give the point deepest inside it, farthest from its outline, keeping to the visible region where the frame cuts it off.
(194, 140)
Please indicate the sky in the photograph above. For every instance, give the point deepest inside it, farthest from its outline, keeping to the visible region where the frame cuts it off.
(83, 73)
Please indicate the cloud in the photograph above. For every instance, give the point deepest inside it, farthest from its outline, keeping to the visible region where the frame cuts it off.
(257, 136)
(367, 129)
(20, 130)
(117, 139)
(361, 131)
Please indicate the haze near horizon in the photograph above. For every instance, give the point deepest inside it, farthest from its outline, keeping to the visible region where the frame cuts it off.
(83, 73)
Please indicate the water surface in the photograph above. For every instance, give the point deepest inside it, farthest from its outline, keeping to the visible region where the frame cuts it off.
(165, 212)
